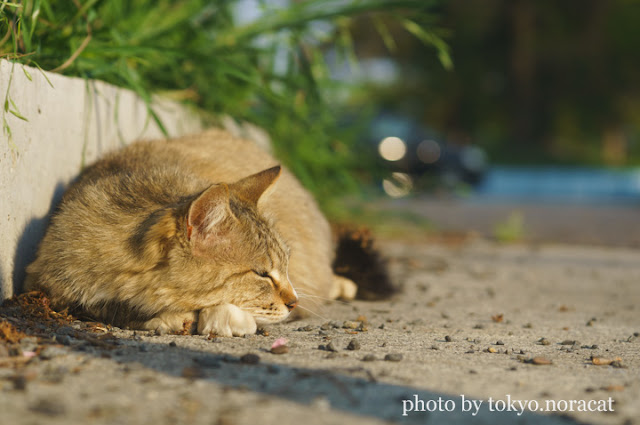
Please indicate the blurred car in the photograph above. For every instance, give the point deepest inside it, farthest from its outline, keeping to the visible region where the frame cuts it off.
(416, 158)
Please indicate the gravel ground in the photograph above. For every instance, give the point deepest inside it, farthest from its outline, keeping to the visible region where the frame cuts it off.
(487, 322)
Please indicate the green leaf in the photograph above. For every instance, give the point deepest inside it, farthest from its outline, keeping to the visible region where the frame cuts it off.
(15, 111)
(386, 36)
(17, 114)
(430, 38)
(26, 73)
(43, 74)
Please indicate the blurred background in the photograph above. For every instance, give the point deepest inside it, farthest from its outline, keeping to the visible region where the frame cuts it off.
(515, 119)
(532, 134)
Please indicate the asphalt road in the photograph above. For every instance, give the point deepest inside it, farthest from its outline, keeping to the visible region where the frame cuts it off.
(608, 224)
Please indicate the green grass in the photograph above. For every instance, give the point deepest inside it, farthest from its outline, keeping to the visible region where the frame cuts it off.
(193, 51)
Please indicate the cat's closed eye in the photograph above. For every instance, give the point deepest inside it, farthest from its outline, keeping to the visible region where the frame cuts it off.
(262, 274)
(266, 275)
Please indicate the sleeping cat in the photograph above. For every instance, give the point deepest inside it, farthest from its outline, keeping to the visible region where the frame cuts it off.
(204, 229)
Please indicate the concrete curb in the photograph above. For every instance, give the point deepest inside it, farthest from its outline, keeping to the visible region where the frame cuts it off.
(69, 123)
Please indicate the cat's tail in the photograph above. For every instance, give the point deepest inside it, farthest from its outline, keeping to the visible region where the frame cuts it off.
(358, 259)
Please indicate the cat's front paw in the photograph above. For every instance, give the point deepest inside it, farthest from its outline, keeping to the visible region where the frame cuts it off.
(171, 322)
(226, 320)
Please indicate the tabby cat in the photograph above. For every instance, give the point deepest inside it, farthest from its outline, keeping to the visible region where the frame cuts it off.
(204, 229)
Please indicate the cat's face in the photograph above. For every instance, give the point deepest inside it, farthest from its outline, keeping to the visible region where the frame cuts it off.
(245, 258)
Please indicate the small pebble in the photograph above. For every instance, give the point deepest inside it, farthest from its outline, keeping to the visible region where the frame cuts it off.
(448, 338)
(569, 342)
(307, 328)
(435, 347)
(499, 342)
(393, 357)
(349, 324)
(250, 358)
(369, 358)
(331, 347)
(326, 326)
(362, 327)
(280, 349)
(353, 345)
(544, 341)
(173, 344)
(541, 361)
(64, 339)
(491, 350)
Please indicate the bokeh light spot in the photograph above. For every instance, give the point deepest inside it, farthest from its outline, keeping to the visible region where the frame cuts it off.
(392, 148)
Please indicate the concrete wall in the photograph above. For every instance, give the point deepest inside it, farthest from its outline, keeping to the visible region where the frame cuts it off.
(70, 123)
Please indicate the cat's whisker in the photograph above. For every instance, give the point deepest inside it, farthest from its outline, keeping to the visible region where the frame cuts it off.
(313, 300)
(314, 303)
(314, 313)
(307, 296)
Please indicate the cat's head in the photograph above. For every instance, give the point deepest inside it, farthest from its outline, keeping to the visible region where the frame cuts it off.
(226, 231)
(230, 253)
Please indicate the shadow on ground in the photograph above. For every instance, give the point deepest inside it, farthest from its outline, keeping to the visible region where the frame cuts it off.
(27, 245)
(352, 390)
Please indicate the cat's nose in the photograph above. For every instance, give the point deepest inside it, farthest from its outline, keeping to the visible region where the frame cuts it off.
(292, 304)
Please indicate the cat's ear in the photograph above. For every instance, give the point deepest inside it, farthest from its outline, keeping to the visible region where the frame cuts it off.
(255, 186)
(209, 217)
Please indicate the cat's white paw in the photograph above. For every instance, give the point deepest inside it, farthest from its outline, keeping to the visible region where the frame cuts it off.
(226, 320)
(343, 288)
(171, 322)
